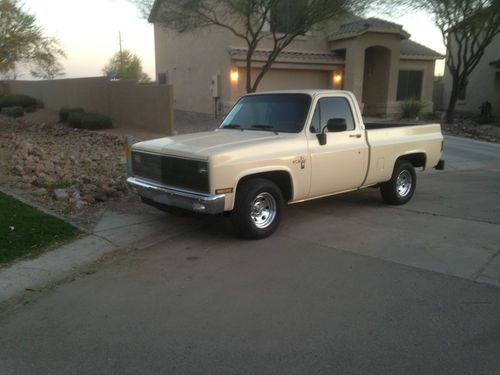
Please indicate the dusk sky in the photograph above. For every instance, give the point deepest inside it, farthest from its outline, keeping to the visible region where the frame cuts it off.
(88, 31)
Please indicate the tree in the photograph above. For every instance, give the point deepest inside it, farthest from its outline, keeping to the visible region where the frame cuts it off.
(126, 65)
(280, 21)
(47, 67)
(467, 27)
(22, 42)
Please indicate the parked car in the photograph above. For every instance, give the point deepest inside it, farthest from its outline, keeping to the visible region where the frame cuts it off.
(278, 148)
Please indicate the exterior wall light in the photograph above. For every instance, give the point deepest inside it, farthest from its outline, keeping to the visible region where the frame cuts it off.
(337, 78)
(235, 75)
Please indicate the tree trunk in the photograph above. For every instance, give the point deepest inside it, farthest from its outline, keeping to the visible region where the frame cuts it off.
(450, 111)
(249, 70)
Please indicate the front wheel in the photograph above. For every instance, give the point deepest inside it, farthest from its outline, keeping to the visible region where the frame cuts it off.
(401, 187)
(258, 208)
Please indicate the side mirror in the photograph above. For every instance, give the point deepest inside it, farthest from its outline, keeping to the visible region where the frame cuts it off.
(322, 137)
(336, 125)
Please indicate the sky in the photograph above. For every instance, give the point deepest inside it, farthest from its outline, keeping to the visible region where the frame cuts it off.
(88, 32)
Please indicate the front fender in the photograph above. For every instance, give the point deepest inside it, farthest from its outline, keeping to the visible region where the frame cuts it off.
(230, 198)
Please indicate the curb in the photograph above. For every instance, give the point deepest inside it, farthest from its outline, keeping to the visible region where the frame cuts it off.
(54, 265)
(115, 231)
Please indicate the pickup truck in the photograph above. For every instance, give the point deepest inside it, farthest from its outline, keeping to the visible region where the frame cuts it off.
(284, 147)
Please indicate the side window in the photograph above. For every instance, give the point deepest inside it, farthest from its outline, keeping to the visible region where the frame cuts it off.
(315, 120)
(335, 108)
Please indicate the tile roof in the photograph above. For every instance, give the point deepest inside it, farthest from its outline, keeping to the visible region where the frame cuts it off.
(414, 49)
(361, 26)
(320, 57)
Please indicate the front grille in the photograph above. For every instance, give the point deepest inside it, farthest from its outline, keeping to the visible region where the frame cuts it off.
(171, 171)
(147, 166)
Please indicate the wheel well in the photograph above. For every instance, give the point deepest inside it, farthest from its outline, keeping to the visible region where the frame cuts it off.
(417, 160)
(281, 178)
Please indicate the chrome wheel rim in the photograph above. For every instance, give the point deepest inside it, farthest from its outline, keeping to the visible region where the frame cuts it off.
(263, 210)
(404, 183)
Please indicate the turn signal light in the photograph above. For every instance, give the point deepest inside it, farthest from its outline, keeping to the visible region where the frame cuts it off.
(224, 191)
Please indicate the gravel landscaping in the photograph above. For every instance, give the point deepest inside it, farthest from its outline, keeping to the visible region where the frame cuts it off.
(68, 171)
(471, 128)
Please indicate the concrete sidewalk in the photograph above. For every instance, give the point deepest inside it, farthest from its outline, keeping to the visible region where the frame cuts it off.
(116, 230)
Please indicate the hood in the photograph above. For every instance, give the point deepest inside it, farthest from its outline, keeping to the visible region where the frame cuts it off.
(206, 144)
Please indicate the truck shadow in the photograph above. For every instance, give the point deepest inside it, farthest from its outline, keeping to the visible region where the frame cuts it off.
(219, 227)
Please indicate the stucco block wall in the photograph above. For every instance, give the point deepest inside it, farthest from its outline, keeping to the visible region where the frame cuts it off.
(126, 102)
(190, 60)
(484, 83)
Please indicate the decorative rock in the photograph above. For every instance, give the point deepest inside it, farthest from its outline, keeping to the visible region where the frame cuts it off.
(100, 196)
(89, 199)
(48, 155)
(61, 194)
(40, 192)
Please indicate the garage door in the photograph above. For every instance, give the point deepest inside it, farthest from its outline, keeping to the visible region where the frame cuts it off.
(288, 79)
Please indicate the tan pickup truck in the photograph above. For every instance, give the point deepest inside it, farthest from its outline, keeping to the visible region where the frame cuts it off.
(280, 148)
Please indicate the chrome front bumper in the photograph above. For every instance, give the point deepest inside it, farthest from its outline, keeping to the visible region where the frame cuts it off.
(168, 196)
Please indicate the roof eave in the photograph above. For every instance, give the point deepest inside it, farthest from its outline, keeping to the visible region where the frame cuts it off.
(421, 57)
(154, 11)
(403, 34)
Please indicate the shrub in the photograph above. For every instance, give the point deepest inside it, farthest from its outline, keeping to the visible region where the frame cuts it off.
(65, 112)
(95, 121)
(30, 109)
(412, 108)
(75, 119)
(17, 100)
(13, 111)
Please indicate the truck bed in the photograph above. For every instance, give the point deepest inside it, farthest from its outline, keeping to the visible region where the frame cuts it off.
(385, 125)
(387, 141)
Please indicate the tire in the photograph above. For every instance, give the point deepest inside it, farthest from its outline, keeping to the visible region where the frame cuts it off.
(258, 209)
(401, 187)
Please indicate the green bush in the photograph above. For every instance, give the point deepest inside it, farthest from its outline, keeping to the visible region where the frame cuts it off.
(17, 100)
(65, 112)
(30, 109)
(14, 112)
(95, 121)
(75, 119)
(412, 108)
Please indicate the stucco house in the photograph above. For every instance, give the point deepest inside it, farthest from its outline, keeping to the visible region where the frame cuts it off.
(483, 83)
(373, 58)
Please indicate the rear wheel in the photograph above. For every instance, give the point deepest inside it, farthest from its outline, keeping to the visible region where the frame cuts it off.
(401, 187)
(258, 208)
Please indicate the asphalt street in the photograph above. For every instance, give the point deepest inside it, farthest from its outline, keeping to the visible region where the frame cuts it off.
(347, 285)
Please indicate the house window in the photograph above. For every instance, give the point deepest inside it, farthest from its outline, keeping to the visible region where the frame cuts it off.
(162, 78)
(286, 15)
(410, 84)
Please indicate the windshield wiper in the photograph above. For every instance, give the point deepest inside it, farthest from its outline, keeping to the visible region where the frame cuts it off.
(265, 127)
(231, 126)
(257, 126)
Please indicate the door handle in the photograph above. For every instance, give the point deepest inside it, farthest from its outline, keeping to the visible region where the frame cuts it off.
(355, 136)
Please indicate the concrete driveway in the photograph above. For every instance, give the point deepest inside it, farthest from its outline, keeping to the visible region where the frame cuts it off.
(347, 285)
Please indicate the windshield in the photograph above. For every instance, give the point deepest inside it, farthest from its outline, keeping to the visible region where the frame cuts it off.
(269, 112)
